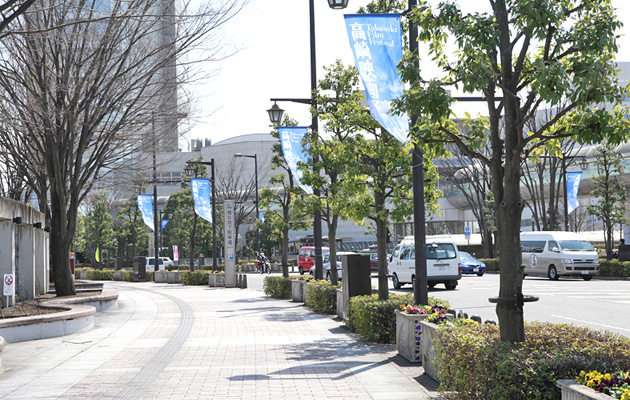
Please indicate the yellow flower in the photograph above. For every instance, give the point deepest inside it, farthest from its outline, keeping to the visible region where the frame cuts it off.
(625, 395)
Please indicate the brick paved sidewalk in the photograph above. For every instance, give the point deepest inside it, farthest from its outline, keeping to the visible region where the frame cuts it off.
(176, 342)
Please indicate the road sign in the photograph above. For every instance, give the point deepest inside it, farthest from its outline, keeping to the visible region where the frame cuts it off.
(9, 287)
(467, 232)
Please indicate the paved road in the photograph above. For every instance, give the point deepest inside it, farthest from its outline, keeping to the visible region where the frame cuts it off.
(177, 342)
(597, 304)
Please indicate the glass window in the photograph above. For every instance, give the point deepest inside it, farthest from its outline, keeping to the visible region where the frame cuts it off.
(396, 252)
(576, 245)
(404, 253)
(440, 251)
(551, 244)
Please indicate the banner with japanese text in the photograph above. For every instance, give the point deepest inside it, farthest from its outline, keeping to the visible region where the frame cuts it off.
(145, 205)
(573, 184)
(291, 141)
(376, 42)
(201, 197)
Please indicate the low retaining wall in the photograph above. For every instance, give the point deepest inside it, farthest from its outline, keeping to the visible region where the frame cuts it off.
(78, 315)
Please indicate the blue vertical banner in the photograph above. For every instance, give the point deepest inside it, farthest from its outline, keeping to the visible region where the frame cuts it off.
(201, 197)
(145, 205)
(291, 141)
(261, 216)
(164, 222)
(376, 42)
(573, 184)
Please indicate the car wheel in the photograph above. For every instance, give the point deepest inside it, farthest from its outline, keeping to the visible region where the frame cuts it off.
(587, 277)
(431, 285)
(451, 285)
(328, 277)
(553, 273)
(396, 282)
(480, 274)
(301, 271)
(413, 283)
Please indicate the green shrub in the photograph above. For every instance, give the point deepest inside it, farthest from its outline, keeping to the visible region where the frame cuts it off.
(100, 275)
(321, 297)
(492, 264)
(473, 362)
(614, 268)
(277, 287)
(127, 276)
(195, 278)
(375, 320)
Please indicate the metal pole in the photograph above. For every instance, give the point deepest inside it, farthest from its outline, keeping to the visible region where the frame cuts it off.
(421, 291)
(155, 207)
(317, 216)
(566, 202)
(257, 205)
(214, 219)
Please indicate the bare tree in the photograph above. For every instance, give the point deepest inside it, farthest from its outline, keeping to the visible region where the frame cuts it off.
(234, 183)
(80, 83)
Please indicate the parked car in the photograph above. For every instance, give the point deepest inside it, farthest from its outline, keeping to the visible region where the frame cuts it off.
(163, 262)
(306, 257)
(443, 265)
(373, 261)
(556, 254)
(470, 265)
(326, 264)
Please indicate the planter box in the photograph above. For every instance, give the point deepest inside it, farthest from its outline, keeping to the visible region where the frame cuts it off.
(409, 335)
(429, 331)
(297, 289)
(118, 275)
(216, 280)
(342, 306)
(571, 390)
(305, 291)
(173, 276)
(160, 277)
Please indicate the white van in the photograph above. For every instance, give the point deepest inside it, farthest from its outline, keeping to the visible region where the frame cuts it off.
(556, 254)
(163, 262)
(443, 265)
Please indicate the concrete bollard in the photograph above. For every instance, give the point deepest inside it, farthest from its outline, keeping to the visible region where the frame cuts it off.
(244, 282)
(476, 318)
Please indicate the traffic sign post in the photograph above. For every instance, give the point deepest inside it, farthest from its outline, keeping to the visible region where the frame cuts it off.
(467, 235)
(9, 287)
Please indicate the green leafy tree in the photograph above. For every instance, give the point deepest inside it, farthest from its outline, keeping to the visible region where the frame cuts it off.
(281, 214)
(521, 56)
(131, 232)
(612, 205)
(96, 228)
(186, 229)
(334, 148)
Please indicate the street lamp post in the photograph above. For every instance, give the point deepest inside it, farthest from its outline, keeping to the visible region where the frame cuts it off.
(275, 114)
(583, 167)
(190, 172)
(257, 198)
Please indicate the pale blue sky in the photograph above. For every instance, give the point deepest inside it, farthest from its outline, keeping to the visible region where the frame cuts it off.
(274, 61)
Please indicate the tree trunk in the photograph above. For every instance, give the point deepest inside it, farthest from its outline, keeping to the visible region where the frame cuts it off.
(60, 241)
(381, 248)
(332, 234)
(285, 252)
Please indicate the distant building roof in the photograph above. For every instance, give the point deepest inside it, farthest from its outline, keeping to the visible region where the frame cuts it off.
(252, 137)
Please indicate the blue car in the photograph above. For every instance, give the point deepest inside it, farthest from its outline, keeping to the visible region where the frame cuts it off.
(470, 265)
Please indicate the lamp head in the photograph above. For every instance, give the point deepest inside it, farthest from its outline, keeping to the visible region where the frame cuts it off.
(275, 113)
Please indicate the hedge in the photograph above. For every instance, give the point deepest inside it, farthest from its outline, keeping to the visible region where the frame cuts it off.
(375, 320)
(321, 297)
(277, 287)
(473, 362)
(195, 278)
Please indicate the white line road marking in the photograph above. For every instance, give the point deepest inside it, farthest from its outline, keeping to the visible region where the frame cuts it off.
(592, 323)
